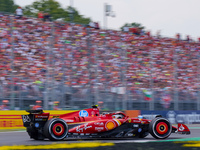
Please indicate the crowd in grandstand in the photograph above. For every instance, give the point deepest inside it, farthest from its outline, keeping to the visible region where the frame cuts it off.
(34, 52)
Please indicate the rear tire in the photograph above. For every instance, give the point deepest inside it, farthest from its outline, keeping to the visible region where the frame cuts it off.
(160, 128)
(56, 129)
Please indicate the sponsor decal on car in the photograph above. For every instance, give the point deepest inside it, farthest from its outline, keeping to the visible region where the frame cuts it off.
(56, 116)
(139, 130)
(130, 134)
(136, 121)
(41, 116)
(40, 119)
(181, 128)
(110, 125)
(69, 120)
(135, 125)
(83, 113)
(99, 123)
(99, 129)
(26, 118)
(83, 128)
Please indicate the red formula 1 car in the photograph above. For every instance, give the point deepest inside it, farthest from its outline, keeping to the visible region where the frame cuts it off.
(89, 123)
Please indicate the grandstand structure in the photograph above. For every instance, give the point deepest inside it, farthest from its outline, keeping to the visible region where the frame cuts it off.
(80, 66)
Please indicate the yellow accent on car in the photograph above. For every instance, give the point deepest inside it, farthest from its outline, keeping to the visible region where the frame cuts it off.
(118, 122)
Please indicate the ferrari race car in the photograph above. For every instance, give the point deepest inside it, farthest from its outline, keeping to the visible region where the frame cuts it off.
(89, 123)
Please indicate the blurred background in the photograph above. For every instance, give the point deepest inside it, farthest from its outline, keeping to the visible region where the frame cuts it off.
(61, 58)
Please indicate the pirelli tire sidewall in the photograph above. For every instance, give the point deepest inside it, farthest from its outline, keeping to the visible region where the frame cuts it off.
(160, 128)
(55, 129)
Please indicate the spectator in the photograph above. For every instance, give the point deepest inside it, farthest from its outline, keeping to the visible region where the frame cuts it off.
(46, 17)
(41, 15)
(19, 13)
(92, 24)
(38, 105)
(97, 25)
(188, 38)
(4, 105)
(126, 29)
(56, 105)
(100, 105)
(178, 36)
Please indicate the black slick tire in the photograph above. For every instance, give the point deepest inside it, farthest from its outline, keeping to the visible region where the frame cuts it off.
(160, 128)
(55, 129)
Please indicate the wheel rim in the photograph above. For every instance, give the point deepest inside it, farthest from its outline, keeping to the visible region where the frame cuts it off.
(58, 129)
(162, 128)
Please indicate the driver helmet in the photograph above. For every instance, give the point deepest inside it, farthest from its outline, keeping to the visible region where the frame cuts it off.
(117, 116)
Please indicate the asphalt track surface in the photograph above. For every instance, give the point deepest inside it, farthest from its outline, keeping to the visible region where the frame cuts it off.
(22, 138)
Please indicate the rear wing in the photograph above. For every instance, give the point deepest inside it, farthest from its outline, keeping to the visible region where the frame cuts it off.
(35, 111)
(35, 118)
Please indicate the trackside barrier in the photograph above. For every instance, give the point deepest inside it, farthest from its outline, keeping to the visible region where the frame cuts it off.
(11, 119)
(186, 116)
(132, 113)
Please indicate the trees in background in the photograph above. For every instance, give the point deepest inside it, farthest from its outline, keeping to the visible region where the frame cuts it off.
(56, 11)
(7, 6)
(47, 6)
(132, 25)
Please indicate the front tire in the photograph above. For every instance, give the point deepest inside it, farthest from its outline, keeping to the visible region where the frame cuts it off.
(56, 129)
(160, 128)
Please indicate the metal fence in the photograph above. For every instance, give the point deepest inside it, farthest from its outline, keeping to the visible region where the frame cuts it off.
(81, 66)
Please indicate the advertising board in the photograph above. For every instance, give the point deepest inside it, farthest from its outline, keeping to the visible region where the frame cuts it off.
(187, 117)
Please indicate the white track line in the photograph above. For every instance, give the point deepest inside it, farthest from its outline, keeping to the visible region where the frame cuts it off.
(11, 131)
